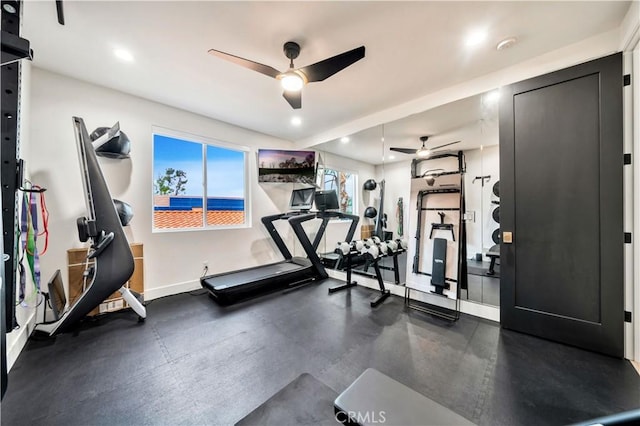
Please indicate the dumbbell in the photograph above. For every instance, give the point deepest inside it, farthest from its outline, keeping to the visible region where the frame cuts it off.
(343, 247)
(384, 249)
(392, 246)
(370, 249)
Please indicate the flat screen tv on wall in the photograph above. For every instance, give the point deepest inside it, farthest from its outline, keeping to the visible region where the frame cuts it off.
(276, 165)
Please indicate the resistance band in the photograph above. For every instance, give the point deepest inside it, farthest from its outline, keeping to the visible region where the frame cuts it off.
(29, 236)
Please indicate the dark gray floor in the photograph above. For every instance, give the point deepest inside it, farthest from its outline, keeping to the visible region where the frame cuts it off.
(195, 363)
(483, 289)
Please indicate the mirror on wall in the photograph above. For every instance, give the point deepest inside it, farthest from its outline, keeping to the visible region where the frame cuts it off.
(384, 153)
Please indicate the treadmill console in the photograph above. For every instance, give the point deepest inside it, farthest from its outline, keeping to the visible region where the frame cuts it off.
(302, 199)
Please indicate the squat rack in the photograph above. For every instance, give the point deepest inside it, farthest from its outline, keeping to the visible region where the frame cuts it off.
(422, 195)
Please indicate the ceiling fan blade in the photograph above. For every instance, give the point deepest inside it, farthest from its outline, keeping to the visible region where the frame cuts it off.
(446, 144)
(294, 99)
(404, 150)
(255, 66)
(328, 67)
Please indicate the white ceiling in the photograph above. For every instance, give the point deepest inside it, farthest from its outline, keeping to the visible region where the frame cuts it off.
(412, 49)
(473, 121)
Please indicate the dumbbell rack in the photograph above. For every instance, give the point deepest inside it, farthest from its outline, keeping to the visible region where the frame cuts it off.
(422, 196)
(371, 260)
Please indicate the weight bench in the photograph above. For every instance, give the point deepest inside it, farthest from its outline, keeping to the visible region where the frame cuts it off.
(493, 254)
(375, 399)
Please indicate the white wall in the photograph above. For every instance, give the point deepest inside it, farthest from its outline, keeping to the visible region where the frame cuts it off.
(173, 260)
(17, 338)
(481, 162)
(397, 177)
(336, 230)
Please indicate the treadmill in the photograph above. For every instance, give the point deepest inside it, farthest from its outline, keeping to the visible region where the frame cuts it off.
(231, 287)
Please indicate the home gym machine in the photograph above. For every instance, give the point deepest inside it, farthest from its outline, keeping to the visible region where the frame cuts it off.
(103, 226)
(231, 287)
(440, 246)
(374, 250)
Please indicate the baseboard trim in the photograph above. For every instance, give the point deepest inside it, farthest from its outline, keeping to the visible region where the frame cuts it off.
(19, 343)
(491, 313)
(169, 290)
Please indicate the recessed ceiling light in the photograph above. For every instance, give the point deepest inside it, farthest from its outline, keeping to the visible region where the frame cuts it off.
(476, 37)
(296, 121)
(123, 55)
(506, 43)
(344, 139)
(392, 157)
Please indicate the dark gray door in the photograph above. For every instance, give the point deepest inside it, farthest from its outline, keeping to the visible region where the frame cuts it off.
(561, 166)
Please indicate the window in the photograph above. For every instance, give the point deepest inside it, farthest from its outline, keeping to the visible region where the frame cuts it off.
(185, 168)
(345, 183)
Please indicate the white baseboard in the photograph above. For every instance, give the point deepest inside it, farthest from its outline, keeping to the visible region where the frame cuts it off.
(476, 309)
(171, 289)
(19, 337)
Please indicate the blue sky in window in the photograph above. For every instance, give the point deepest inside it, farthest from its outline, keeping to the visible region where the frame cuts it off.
(225, 172)
(225, 166)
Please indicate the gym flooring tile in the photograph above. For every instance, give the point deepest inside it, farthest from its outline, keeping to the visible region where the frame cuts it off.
(196, 363)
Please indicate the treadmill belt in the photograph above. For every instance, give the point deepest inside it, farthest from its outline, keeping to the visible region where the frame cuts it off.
(249, 275)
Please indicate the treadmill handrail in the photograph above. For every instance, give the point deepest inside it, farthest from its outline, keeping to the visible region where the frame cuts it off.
(307, 246)
(267, 221)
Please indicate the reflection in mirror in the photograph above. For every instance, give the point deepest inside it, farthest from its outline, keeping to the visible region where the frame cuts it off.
(469, 125)
(320, 170)
(382, 212)
(482, 209)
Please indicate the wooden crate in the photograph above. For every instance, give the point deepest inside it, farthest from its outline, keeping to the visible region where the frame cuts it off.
(366, 231)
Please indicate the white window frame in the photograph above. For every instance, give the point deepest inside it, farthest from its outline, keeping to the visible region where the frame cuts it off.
(204, 141)
(356, 194)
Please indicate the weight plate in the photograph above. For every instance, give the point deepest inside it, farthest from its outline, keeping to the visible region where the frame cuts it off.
(496, 214)
(496, 236)
(496, 189)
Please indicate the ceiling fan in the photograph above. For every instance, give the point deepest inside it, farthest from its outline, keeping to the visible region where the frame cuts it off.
(423, 151)
(294, 79)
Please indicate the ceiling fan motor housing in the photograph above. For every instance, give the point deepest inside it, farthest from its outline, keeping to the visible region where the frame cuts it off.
(291, 50)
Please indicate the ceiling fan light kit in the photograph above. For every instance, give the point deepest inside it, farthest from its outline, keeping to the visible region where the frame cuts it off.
(423, 152)
(292, 82)
(294, 79)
